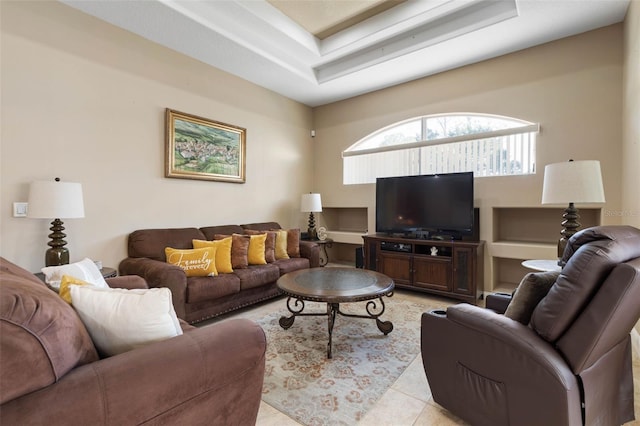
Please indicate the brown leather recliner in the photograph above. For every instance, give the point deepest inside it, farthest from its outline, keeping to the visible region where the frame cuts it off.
(570, 365)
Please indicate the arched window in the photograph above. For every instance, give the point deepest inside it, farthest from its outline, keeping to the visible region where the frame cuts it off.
(488, 145)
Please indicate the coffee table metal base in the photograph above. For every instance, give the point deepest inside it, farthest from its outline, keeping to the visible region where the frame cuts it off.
(296, 305)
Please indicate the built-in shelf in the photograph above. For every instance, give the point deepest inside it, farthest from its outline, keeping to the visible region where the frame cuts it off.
(535, 224)
(345, 219)
(524, 233)
(523, 250)
(346, 237)
(345, 226)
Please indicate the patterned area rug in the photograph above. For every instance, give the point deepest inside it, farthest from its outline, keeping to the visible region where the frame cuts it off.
(313, 390)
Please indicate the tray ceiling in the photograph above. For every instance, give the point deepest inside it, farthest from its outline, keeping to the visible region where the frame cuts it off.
(322, 51)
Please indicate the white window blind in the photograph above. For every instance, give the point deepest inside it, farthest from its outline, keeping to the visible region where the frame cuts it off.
(509, 150)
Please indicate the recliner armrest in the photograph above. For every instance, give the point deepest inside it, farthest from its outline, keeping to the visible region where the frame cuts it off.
(474, 358)
(498, 302)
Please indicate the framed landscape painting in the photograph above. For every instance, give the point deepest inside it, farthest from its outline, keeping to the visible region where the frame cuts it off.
(199, 148)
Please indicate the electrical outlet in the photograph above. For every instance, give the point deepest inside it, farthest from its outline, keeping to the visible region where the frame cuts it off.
(20, 209)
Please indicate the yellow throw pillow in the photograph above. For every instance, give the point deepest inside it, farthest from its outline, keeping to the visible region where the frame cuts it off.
(195, 262)
(255, 255)
(223, 253)
(281, 244)
(269, 243)
(67, 281)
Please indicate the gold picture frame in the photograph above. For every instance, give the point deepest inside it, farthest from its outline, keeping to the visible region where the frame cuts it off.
(203, 149)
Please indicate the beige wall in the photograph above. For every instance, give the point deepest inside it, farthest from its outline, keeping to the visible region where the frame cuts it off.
(85, 101)
(631, 117)
(572, 87)
(631, 123)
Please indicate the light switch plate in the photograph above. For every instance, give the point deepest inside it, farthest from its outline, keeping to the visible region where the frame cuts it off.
(20, 209)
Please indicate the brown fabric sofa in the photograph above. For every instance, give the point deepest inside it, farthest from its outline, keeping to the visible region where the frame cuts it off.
(196, 299)
(51, 374)
(569, 365)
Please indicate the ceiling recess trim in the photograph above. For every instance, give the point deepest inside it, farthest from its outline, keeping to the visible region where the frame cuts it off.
(470, 18)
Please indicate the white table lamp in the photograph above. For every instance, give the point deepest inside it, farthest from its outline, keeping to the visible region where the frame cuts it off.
(56, 200)
(572, 182)
(311, 203)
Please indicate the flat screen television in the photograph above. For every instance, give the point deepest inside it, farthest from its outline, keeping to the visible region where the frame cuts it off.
(426, 205)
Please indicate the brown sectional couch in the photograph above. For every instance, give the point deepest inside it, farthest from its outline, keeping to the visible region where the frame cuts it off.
(51, 373)
(196, 299)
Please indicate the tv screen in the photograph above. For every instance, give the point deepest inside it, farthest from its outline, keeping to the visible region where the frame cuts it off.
(438, 204)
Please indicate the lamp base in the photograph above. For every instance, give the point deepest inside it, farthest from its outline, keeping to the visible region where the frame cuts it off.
(57, 255)
(311, 231)
(570, 226)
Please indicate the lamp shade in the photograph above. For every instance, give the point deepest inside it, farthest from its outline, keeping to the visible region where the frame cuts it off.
(55, 200)
(573, 182)
(311, 203)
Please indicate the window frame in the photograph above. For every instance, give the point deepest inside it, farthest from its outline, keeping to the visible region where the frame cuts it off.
(520, 127)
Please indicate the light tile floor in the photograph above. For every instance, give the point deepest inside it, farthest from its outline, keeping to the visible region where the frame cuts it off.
(408, 401)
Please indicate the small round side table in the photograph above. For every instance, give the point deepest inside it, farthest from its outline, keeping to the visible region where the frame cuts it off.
(327, 242)
(542, 265)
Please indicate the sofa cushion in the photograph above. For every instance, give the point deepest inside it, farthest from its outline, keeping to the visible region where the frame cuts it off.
(281, 244)
(223, 253)
(152, 242)
(533, 287)
(239, 250)
(200, 262)
(293, 264)
(210, 231)
(257, 275)
(65, 286)
(200, 289)
(293, 242)
(42, 337)
(121, 320)
(255, 254)
(262, 226)
(269, 244)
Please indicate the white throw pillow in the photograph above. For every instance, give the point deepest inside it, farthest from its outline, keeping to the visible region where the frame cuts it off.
(85, 270)
(120, 320)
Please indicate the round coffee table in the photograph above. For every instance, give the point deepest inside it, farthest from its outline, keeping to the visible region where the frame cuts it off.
(334, 286)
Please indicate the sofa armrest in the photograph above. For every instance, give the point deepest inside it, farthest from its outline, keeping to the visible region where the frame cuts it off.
(311, 251)
(474, 358)
(498, 302)
(129, 282)
(159, 274)
(210, 375)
